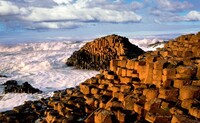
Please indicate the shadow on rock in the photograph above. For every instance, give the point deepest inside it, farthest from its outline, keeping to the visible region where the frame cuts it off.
(12, 86)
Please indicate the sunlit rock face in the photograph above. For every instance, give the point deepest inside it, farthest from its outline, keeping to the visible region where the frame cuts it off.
(98, 53)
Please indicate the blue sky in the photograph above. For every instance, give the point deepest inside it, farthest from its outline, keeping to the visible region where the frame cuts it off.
(43, 20)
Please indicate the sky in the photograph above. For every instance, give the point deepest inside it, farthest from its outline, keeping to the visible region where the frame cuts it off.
(50, 20)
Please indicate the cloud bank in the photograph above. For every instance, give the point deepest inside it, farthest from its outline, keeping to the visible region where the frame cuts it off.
(172, 11)
(68, 13)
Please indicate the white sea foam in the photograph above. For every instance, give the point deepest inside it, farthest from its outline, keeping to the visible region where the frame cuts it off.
(43, 66)
(144, 43)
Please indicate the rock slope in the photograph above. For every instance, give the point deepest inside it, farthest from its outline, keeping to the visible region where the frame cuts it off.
(162, 86)
(97, 54)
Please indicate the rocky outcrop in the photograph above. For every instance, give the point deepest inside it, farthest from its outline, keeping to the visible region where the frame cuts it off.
(156, 44)
(12, 86)
(4, 76)
(27, 113)
(162, 86)
(97, 54)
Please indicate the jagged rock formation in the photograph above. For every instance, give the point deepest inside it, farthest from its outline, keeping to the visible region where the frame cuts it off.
(12, 86)
(97, 54)
(162, 86)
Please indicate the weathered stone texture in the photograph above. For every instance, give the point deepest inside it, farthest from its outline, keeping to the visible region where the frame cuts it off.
(161, 86)
(97, 54)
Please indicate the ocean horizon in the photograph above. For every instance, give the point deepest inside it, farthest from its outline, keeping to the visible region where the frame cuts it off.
(15, 39)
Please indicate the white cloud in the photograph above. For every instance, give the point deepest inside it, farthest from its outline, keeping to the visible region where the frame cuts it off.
(67, 13)
(70, 13)
(7, 8)
(173, 17)
(173, 5)
(171, 11)
(54, 25)
(192, 16)
(63, 1)
(80, 11)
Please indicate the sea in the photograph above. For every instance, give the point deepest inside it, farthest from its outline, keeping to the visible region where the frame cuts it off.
(42, 64)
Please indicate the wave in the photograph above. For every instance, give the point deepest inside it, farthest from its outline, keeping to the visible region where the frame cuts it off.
(43, 66)
(44, 46)
(144, 43)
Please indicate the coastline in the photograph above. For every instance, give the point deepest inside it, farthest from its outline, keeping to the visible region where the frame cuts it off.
(140, 88)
